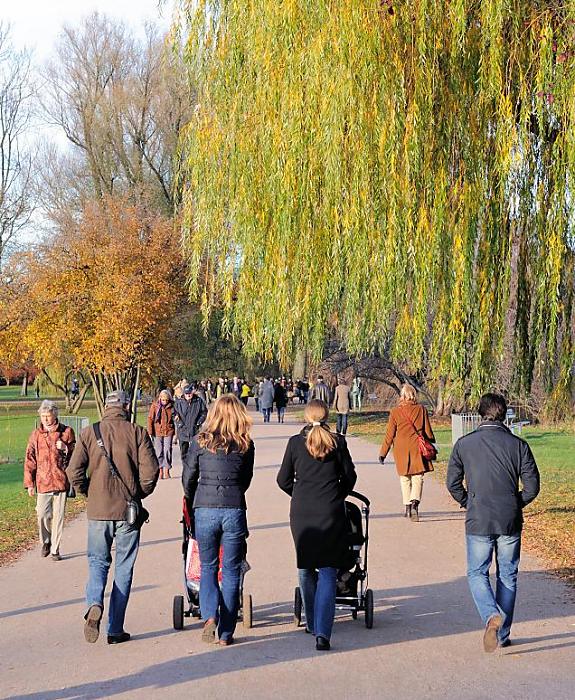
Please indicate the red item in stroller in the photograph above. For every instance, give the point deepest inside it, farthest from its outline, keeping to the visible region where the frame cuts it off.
(192, 576)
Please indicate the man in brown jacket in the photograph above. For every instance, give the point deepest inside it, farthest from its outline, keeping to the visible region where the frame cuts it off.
(342, 405)
(132, 455)
(49, 449)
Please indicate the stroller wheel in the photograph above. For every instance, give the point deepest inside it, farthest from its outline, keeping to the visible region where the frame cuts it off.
(297, 607)
(247, 610)
(369, 608)
(178, 612)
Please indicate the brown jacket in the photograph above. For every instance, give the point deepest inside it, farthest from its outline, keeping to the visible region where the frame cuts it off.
(401, 434)
(44, 464)
(341, 399)
(131, 451)
(165, 426)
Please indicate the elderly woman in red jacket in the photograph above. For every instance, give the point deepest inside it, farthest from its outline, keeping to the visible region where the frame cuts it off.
(47, 455)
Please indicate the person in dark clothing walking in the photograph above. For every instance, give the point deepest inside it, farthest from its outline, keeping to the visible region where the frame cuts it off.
(493, 461)
(218, 470)
(318, 473)
(191, 412)
(280, 399)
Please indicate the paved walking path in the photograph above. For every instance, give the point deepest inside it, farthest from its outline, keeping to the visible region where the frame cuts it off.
(426, 642)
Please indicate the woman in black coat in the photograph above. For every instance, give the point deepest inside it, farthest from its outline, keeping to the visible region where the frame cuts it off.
(280, 399)
(318, 473)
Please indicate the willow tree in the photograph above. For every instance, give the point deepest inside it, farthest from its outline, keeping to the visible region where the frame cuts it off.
(395, 174)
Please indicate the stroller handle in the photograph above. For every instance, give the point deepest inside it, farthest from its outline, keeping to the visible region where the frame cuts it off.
(360, 497)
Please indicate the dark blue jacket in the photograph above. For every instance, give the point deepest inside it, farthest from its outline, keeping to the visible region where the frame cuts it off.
(217, 479)
(492, 461)
(189, 416)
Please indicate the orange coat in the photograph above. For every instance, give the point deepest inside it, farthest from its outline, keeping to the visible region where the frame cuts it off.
(44, 464)
(401, 434)
(165, 426)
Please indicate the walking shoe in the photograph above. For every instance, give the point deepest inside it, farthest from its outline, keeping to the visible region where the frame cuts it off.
(56, 557)
(414, 511)
(209, 631)
(45, 549)
(407, 511)
(505, 643)
(225, 642)
(92, 624)
(322, 644)
(490, 635)
(118, 638)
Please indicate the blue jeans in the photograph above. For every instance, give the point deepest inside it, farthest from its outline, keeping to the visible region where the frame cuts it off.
(281, 413)
(267, 413)
(507, 550)
(163, 447)
(101, 534)
(341, 427)
(318, 594)
(226, 527)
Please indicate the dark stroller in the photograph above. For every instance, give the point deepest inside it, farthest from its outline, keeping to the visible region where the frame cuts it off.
(352, 593)
(192, 574)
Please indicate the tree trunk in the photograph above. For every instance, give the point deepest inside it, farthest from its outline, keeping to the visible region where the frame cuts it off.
(77, 405)
(24, 390)
(135, 389)
(300, 364)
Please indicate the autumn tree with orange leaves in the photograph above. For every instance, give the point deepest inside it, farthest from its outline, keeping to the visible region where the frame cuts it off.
(99, 297)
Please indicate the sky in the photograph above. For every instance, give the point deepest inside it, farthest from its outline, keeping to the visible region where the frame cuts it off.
(36, 23)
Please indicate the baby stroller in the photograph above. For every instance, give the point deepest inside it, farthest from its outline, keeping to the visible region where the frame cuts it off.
(192, 574)
(352, 593)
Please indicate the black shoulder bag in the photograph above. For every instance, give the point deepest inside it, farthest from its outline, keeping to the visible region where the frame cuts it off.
(136, 515)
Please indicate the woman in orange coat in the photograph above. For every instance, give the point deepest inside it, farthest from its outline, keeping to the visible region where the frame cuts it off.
(405, 422)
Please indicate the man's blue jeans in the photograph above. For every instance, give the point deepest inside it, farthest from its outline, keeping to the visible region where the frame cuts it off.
(318, 594)
(101, 534)
(341, 425)
(226, 527)
(480, 551)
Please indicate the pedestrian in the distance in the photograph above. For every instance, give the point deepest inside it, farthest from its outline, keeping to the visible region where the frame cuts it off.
(161, 428)
(47, 455)
(266, 396)
(122, 468)
(280, 399)
(342, 406)
(320, 391)
(318, 473)
(246, 392)
(190, 413)
(218, 470)
(407, 422)
(501, 478)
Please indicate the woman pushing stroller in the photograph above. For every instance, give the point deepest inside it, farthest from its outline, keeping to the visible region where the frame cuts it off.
(318, 473)
(218, 470)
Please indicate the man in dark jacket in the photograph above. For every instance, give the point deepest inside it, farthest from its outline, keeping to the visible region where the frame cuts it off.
(191, 412)
(493, 461)
(135, 465)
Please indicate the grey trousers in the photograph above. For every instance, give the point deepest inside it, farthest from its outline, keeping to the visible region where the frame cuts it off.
(50, 509)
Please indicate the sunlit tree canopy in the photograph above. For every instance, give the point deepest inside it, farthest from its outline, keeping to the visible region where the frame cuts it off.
(395, 174)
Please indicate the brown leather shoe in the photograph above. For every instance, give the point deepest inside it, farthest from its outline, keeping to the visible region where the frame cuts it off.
(209, 631)
(490, 635)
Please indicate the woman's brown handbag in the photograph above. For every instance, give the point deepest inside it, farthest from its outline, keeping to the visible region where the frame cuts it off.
(426, 448)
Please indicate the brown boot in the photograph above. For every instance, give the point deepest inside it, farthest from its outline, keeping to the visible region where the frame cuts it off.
(407, 511)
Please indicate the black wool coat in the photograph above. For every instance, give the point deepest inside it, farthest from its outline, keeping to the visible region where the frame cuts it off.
(493, 463)
(318, 490)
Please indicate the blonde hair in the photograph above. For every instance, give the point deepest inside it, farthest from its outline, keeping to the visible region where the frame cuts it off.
(408, 394)
(319, 441)
(227, 426)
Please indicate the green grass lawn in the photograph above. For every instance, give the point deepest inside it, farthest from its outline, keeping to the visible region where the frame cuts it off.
(17, 515)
